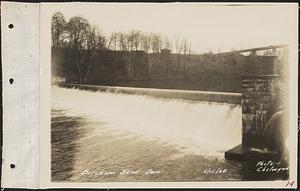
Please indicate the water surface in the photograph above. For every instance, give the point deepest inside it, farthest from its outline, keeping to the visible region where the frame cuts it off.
(97, 136)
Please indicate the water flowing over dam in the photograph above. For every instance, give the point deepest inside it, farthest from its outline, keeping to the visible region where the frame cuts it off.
(198, 127)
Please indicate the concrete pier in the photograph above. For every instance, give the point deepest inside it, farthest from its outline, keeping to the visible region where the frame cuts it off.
(263, 89)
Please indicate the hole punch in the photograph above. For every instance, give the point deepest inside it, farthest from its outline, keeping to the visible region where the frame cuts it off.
(10, 26)
(11, 81)
(12, 166)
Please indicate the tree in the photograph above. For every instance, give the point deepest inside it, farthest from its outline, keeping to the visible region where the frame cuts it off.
(58, 27)
(178, 46)
(129, 40)
(95, 42)
(186, 50)
(177, 50)
(78, 28)
(112, 41)
(167, 44)
(156, 43)
(79, 34)
(100, 40)
(95, 39)
(136, 39)
(123, 41)
(145, 42)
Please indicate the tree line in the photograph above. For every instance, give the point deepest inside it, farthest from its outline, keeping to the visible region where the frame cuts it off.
(79, 34)
(83, 41)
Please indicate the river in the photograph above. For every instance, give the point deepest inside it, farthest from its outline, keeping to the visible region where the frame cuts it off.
(102, 136)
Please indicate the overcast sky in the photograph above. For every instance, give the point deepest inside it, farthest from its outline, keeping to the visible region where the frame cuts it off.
(209, 27)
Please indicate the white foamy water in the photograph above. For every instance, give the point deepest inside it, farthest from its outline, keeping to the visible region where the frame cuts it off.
(198, 127)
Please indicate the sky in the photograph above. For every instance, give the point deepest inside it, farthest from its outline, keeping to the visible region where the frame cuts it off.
(209, 27)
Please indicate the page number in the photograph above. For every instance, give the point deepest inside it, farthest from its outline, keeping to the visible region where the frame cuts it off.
(290, 183)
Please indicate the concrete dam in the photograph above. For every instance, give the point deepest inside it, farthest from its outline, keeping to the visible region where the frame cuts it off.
(206, 123)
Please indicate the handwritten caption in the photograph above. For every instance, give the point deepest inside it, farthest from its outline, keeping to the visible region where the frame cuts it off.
(270, 166)
(215, 171)
(121, 172)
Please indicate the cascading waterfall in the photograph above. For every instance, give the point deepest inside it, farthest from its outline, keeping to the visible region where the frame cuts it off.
(206, 128)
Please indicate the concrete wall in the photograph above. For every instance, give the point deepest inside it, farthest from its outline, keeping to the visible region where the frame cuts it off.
(262, 87)
(259, 102)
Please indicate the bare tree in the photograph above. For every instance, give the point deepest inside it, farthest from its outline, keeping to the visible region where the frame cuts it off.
(178, 50)
(58, 26)
(185, 49)
(130, 37)
(112, 42)
(190, 48)
(95, 42)
(91, 38)
(156, 43)
(78, 30)
(167, 44)
(178, 46)
(100, 40)
(136, 39)
(123, 41)
(145, 42)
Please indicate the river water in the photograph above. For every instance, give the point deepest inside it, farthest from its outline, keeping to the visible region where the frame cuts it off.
(102, 136)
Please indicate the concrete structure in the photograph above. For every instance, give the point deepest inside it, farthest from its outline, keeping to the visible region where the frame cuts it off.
(263, 79)
(219, 97)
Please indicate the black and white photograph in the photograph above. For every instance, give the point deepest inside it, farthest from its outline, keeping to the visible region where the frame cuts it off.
(123, 95)
(175, 92)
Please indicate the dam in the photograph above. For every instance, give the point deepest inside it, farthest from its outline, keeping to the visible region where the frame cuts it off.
(208, 123)
(133, 130)
(182, 135)
(208, 96)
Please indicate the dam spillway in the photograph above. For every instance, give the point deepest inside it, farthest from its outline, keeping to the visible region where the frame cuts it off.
(208, 96)
(207, 123)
